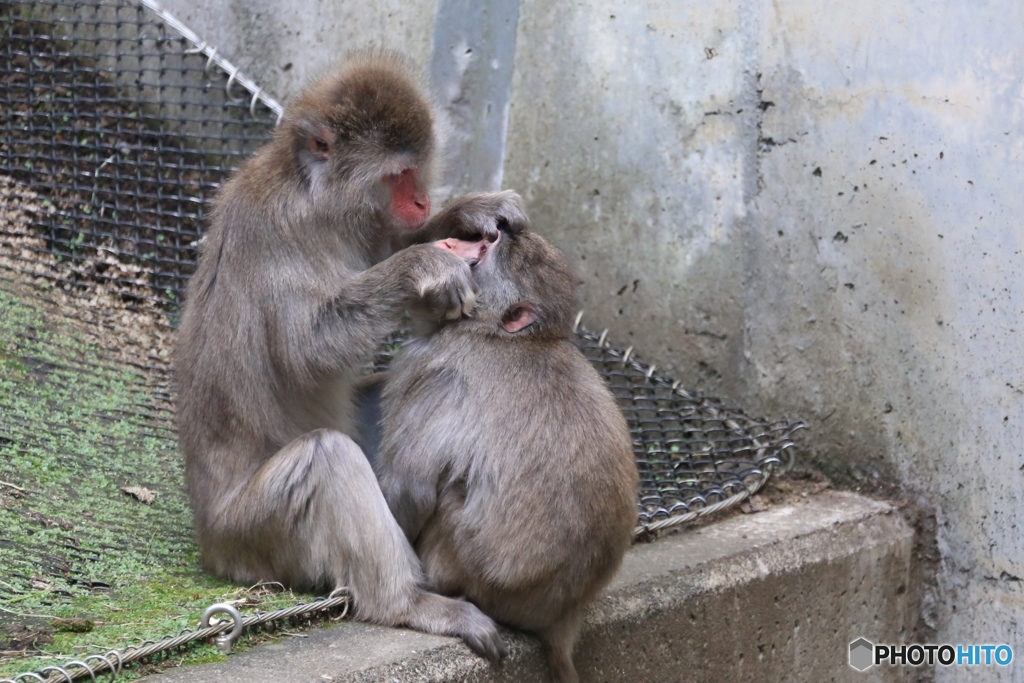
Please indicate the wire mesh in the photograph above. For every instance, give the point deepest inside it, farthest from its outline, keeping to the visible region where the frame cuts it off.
(117, 131)
(123, 130)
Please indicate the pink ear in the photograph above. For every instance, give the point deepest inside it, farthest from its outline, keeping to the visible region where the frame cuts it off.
(519, 317)
(318, 146)
(319, 140)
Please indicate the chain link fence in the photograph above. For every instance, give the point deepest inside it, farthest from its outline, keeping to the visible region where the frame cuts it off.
(118, 126)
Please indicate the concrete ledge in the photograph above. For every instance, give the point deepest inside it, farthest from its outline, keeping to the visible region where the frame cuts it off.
(774, 596)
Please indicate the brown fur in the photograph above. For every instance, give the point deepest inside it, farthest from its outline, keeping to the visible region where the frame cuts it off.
(505, 457)
(296, 284)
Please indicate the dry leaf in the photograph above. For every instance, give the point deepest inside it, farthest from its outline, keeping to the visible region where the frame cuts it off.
(140, 493)
(40, 584)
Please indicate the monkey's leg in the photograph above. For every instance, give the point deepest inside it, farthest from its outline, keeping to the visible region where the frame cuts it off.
(559, 639)
(316, 509)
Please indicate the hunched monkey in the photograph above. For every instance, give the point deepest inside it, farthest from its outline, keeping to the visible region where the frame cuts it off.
(297, 282)
(504, 456)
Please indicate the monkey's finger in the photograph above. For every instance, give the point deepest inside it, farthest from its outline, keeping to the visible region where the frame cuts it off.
(468, 301)
(462, 304)
(440, 299)
(511, 215)
(481, 223)
(486, 214)
(490, 231)
(489, 645)
(453, 302)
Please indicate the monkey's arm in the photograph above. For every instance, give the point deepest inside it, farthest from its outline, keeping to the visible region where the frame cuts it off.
(416, 463)
(472, 216)
(342, 331)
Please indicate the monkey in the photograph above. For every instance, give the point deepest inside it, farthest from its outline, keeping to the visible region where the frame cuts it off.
(316, 246)
(504, 456)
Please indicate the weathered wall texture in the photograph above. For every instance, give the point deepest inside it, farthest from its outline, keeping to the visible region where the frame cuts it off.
(631, 148)
(813, 208)
(907, 252)
(283, 43)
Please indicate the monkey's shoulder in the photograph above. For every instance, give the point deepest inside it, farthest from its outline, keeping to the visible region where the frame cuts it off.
(473, 355)
(548, 381)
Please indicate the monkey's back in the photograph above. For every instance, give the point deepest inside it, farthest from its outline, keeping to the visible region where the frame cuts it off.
(538, 498)
(241, 380)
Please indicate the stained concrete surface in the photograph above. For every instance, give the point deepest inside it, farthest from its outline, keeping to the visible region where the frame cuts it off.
(471, 71)
(812, 208)
(282, 43)
(772, 596)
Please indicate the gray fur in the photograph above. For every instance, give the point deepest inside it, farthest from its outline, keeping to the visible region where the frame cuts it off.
(505, 458)
(296, 285)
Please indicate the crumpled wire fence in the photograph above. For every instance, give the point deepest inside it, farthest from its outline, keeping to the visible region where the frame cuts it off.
(695, 455)
(117, 126)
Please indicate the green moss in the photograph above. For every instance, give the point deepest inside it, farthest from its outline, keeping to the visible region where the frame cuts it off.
(76, 426)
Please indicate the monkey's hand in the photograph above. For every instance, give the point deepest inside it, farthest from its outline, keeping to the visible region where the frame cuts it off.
(479, 215)
(480, 633)
(439, 282)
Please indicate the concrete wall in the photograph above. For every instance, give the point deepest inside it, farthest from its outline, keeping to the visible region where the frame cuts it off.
(633, 150)
(283, 43)
(908, 251)
(812, 208)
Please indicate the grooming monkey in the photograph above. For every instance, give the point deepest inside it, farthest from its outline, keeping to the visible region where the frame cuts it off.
(299, 279)
(504, 456)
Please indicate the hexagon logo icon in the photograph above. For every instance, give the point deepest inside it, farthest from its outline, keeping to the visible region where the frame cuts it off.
(861, 654)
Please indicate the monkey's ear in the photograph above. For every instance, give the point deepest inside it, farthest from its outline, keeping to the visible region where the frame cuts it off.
(518, 317)
(318, 140)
